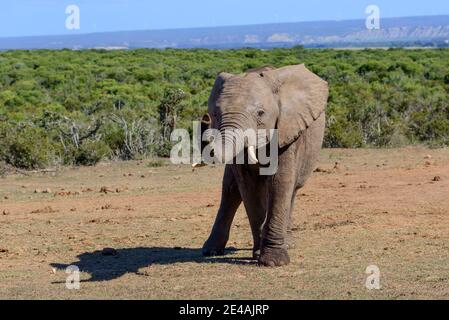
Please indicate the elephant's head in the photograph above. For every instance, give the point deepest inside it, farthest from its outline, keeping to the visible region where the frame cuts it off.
(288, 99)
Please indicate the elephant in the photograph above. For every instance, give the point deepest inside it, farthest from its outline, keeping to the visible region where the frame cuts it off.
(291, 100)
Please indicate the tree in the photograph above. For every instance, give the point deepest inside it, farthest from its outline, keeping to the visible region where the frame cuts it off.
(169, 108)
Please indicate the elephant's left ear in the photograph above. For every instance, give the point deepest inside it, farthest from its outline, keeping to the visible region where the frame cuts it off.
(302, 99)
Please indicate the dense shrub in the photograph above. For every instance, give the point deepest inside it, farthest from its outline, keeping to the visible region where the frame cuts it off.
(91, 152)
(25, 147)
(78, 107)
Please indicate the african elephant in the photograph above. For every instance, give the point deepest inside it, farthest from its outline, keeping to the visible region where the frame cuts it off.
(292, 100)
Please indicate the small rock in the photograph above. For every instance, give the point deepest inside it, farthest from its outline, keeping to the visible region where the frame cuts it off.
(106, 206)
(109, 252)
(62, 193)
(428, 156)
(37, 190)
(437, 178)
(337, 166)
(5, 212)
(48, 190)
(47, 209)
(106, 190)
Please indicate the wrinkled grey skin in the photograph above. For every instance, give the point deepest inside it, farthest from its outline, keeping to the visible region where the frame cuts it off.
(291, 99)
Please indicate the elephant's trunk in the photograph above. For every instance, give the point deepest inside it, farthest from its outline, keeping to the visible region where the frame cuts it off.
(228, 145)
(233, 141)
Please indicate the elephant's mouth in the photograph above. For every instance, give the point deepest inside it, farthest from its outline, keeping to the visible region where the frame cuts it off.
(227, 149)
(250, 152)
(230, 144)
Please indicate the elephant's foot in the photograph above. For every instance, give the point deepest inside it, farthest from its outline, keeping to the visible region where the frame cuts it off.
(213, 248)
(271, 257)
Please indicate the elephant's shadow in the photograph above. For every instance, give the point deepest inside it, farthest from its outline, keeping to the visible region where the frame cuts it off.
(130, 260)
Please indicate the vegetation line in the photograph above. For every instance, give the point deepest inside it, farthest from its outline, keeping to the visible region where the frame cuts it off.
(78, 107)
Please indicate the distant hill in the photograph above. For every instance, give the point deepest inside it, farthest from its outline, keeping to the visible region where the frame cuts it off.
(407, 31)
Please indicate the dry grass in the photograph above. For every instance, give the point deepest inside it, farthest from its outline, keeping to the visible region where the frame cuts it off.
(379, 207)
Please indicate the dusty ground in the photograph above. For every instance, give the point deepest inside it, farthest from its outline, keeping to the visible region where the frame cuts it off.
(376, 207)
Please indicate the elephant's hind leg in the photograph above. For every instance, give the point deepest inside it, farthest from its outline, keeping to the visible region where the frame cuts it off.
(230, 201)
(289, 239)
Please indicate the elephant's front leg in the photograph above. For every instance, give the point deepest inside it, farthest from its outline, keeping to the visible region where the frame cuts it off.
(253, 189)
(274, 237)
(230, 201)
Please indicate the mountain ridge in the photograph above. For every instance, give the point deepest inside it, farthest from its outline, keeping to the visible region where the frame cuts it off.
(401, 31)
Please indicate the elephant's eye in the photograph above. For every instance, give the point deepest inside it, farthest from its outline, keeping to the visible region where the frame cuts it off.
(260, 113)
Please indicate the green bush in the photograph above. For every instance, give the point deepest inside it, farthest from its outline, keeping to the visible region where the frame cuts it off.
(25, 147)
(156, 163)
(91, 152)
(52, 101)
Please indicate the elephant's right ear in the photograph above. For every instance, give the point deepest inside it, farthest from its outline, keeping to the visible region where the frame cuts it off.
(302, 97)
(203, 127)
(206, 122)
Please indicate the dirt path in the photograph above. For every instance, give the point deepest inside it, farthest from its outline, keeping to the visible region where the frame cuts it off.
(388, 208)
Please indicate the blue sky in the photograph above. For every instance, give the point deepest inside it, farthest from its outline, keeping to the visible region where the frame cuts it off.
(45, 17)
